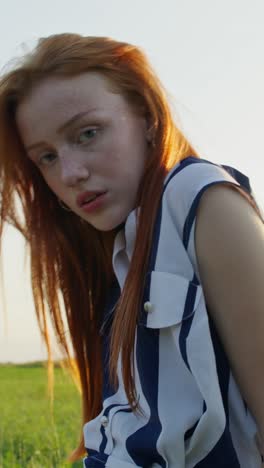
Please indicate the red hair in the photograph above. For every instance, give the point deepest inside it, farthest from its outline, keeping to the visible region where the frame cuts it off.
(68, 272)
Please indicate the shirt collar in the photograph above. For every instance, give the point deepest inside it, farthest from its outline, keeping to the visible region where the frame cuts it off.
(125, 238)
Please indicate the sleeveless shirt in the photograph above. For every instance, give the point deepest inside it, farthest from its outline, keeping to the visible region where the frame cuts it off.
(194, 414)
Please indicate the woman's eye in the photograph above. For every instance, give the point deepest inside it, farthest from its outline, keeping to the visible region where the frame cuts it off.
(47, 159)
(87, 134)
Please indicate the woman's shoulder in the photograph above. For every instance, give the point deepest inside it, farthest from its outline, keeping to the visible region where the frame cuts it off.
(192, 173)
(185, 185)
(187, 181)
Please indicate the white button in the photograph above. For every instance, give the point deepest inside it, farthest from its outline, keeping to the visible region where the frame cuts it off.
(104, 421)
(148, 307)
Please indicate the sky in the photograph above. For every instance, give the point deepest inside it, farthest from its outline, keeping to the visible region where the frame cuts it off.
(209, 55)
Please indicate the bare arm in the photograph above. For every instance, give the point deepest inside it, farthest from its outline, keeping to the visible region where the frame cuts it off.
(229, 239)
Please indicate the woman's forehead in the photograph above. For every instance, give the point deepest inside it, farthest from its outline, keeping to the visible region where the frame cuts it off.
(61, 95)
(86, 85)
(56, 100)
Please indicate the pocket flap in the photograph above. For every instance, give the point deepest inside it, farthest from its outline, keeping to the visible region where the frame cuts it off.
(172, 299)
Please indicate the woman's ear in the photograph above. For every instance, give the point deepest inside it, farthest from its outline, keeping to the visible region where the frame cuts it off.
(150, 129)
(148, 136)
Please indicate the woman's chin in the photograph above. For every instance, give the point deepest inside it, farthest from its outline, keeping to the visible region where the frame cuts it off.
(107, 226)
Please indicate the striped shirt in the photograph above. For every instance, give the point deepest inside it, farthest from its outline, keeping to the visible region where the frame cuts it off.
(194, 414)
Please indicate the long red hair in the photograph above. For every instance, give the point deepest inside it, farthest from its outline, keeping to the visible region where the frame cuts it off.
(71, 266)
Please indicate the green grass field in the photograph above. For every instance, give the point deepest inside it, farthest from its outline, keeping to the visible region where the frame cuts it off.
(28, 437)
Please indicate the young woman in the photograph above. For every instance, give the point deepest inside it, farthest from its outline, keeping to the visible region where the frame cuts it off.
(156, 256)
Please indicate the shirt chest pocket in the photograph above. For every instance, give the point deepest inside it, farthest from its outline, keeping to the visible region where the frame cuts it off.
(172, 300)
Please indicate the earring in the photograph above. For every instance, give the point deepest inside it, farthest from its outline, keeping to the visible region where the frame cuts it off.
(63, 206)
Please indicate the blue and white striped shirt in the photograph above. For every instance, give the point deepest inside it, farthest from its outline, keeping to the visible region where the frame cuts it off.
(194, 414)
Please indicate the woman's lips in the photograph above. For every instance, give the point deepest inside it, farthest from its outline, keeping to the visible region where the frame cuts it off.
(85, 197)
(95, 204)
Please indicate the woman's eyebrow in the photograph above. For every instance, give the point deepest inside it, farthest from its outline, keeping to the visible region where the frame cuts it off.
(74, 119)
(64, 126)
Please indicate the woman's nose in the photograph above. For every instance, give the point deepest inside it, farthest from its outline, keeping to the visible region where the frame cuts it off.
(73, 170)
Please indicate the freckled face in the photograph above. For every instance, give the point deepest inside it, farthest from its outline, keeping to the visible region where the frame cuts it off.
(85, 138)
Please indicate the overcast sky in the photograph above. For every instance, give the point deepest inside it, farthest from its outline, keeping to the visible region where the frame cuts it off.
(210, 56)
